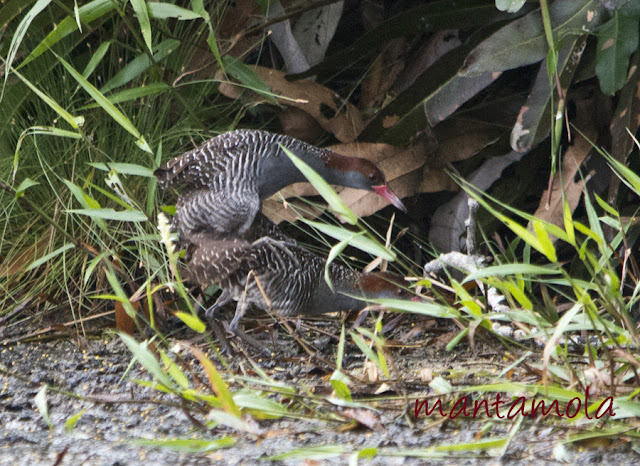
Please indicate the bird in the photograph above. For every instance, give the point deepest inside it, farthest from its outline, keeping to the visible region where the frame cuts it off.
(226, 178)
(271, 271)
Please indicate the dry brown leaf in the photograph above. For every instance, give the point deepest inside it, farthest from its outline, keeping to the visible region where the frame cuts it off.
(382, 75)
(23, 258)
(402, 168)
(331, 112)
(461, 139)
(300, 125)
(364, 417)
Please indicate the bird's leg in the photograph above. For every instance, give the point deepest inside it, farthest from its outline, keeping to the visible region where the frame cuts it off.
(223, 299)
(274, 245)
(241, 309)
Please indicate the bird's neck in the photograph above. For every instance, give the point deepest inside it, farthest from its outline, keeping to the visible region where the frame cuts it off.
(278, 171)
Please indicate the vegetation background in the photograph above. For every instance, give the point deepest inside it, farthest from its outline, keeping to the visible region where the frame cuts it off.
(528, 107)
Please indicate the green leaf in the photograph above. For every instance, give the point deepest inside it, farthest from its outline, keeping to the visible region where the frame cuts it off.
(146, 358)
(193, 322)
(38, 262)
(360, 242)
(26, 184)
(546, 245)
(160, 10)
(140, 64)
(218, 384)
(415, 307)
(188, 445)
(21, 31)
(87, 13)
(247, 77)
(333, 254)
(95, 59)
(73, 121)
(617, 40)
(110, 214)
(124, 168)
(510, 6)
(107, 106)
(511, 269)
(523, 42)
(70, 423)
(133, 94)
(140, 9)
(321, 452)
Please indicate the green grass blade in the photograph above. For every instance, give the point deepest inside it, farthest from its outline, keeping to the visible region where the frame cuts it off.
(160, 10)
(335, 203)
(87, 13)
(140, 64)
(140, 9)
(38, 262)
(110, 214)
(124, 168)
(96, 58)
(107, 106)
(21, 31)
(358, 241)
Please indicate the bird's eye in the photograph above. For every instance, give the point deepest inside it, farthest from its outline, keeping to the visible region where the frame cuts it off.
(372, 175)
(399, 291)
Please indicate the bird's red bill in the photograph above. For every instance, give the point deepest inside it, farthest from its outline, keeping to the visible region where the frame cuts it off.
(384, 191)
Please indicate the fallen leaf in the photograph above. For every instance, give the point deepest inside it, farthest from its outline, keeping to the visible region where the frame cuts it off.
(364, 417)
(330, 110)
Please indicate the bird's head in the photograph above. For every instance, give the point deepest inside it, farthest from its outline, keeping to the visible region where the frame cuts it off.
(359, 173)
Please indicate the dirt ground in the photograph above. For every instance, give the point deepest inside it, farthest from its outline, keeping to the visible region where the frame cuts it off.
(93, 375)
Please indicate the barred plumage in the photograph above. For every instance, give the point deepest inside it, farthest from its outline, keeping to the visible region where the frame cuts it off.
(291, 277)
(224, 180)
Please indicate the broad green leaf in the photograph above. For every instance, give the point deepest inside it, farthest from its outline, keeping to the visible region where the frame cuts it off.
(38, 262)
(140, 64)
(146, 358)
(523, 42)
(16, 40)
(510, 6)
(133, 94)
(188, 445)
(174, 371)
(192, 321)
(617, 40)
(160, 10)
(247, 77)
(124, 168)
(546, 244)
(360, 242)
(427, 17)
(110, 214)
(107, 106)
(87, 13)
(26, 184)
(415, 307)
(140, 9)
(511, 269)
